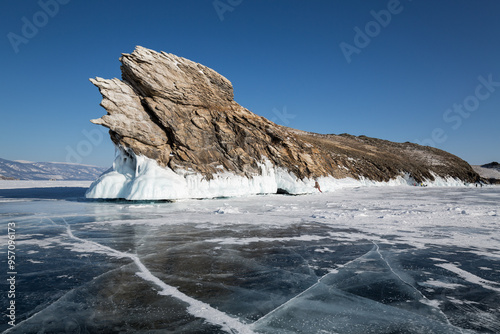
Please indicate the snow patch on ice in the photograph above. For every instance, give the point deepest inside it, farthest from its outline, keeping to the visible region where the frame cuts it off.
(440, 284)
(246, 241)
(324, 250)
(45, 243)
(226, 210)
(469, 277)
(34, 261)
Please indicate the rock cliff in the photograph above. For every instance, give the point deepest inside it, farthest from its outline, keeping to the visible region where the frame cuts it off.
(182, 115)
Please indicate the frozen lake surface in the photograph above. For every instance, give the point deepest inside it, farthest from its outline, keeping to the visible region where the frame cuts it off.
(364, 260)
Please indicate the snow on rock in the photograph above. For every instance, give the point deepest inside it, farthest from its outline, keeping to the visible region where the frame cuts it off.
(136, 177)
(182, 135)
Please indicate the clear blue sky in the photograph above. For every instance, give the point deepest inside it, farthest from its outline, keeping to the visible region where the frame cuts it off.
(286, 59)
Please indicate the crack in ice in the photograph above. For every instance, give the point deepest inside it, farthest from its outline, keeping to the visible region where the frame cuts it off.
(49, 304)
(302, 293)
(196, 307)
(426, 300)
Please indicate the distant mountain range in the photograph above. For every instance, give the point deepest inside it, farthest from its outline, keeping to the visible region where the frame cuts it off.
(25, 170)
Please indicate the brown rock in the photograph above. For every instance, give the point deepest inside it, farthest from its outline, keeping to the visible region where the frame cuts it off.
(182, 114)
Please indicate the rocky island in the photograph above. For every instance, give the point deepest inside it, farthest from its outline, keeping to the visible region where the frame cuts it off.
(180, 134)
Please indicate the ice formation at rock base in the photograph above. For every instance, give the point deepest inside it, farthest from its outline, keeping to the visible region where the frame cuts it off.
(181, 134)
(136, 177)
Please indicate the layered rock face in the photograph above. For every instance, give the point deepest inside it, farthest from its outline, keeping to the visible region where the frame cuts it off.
(182, 115)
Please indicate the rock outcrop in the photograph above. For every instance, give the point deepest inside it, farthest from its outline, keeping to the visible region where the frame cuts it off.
(183, 116)
(489, 173)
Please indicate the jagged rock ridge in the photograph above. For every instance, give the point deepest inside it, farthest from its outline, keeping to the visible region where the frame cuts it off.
(182, 115)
